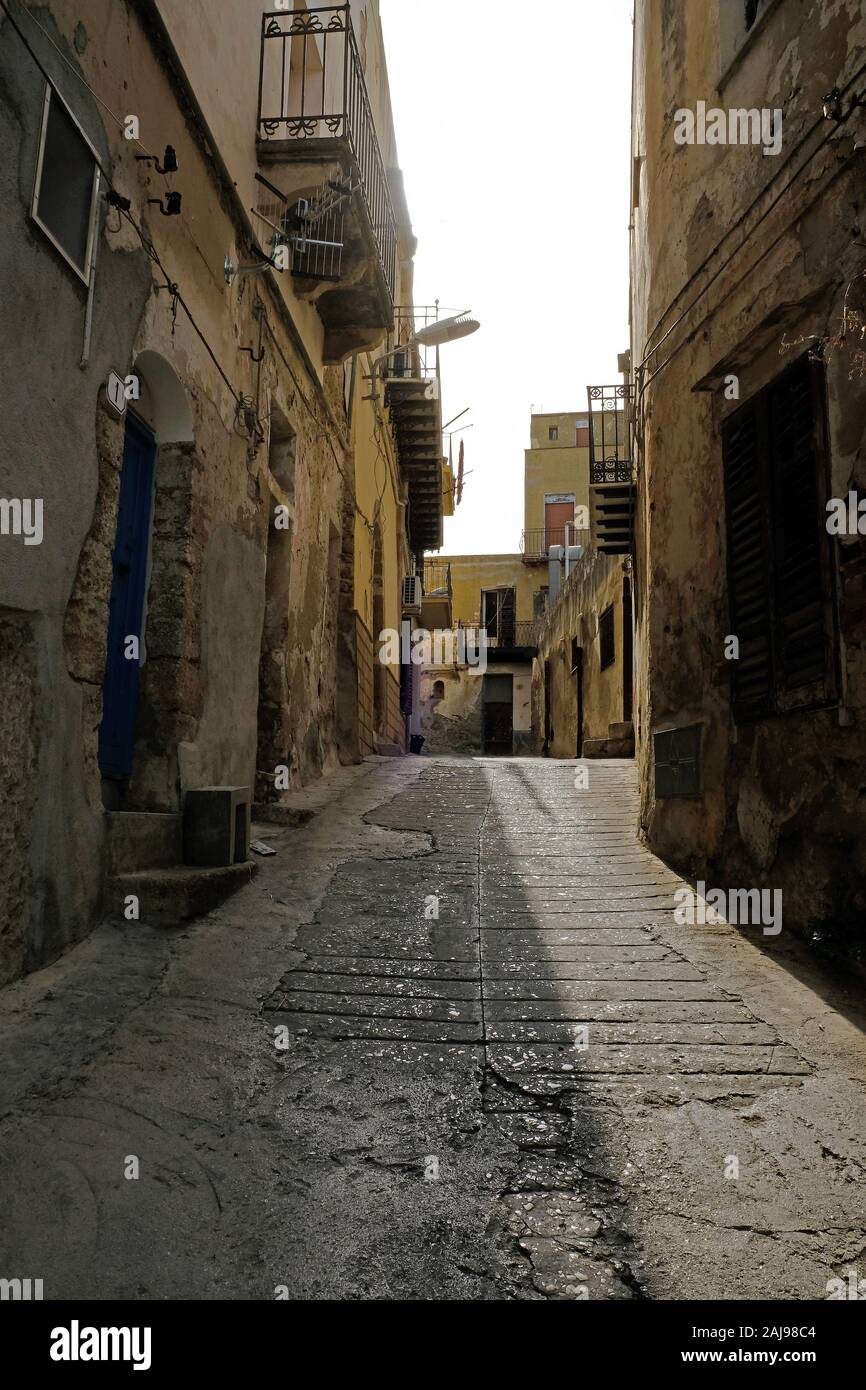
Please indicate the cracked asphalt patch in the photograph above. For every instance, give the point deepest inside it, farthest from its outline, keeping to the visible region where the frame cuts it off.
(507, 1074)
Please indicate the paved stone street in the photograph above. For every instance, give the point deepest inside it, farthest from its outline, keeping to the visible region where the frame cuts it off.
(449, 1043)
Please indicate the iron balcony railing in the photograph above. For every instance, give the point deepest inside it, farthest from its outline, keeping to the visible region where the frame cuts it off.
(312, 88)
(535, 544)
(609, 436)
(405, 359)
(437, 578)
(522, 633)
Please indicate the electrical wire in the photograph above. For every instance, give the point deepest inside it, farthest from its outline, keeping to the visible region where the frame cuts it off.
(150, 249)
(649, 351)
(711, 313)
(173, 286)
(118, 120)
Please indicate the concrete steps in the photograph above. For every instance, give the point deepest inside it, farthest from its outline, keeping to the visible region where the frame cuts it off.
(145, 860)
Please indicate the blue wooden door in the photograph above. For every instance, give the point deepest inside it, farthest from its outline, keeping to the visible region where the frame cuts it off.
(128, 591)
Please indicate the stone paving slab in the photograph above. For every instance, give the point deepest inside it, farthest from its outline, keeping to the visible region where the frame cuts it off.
(581, 1010)
(430, 1130)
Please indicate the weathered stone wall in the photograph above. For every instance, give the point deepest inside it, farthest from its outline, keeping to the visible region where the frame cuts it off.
(212, 410)
(782, 801)
(53, 439)
(452, 723)
(18, 714)
(595, 583)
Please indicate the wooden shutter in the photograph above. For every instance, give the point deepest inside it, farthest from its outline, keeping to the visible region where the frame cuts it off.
(779, 555)
(748, 562)
(506, 618)
(800, 540)
(489, 618)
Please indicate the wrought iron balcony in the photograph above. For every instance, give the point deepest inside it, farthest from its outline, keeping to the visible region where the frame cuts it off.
(315, 122)
(609, 438)
(535, 544)
(611, 474)
(437, 579)
(519, 635)
(407, 360)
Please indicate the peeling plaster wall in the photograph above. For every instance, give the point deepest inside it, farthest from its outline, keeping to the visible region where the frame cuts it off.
(50, 451)
(214, 496)
(783, 801)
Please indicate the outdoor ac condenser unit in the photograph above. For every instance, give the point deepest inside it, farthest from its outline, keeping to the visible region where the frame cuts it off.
(412, 594)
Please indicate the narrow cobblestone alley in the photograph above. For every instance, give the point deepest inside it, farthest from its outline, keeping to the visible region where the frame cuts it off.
(449, 1043)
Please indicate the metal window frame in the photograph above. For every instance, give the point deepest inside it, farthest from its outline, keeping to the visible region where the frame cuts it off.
(86, 273)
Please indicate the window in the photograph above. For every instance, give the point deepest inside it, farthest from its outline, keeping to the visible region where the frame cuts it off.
(739, 22)
(779, 552)
(553, 434)
(539, 602)
(66, 187)
(497, 615)
(606, 638)
(576, 656)
(582, 435)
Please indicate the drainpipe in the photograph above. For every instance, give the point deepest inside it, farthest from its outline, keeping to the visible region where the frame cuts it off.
(91, 289)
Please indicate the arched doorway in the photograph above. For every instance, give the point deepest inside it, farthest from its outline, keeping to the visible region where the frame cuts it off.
(158, 424)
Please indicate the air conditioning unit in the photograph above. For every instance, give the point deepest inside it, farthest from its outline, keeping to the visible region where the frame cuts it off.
(412, 594)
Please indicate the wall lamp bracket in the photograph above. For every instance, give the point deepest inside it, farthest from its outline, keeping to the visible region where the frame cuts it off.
(169, 160)
(171, 206)
(833, 106)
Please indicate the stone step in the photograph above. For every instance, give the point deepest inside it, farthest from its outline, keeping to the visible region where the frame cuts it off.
(167, 896)
(611, 747)
(143, 840)
(625, 729)
(275, 813)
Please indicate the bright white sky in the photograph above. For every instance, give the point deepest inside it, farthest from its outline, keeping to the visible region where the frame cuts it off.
(512, 126)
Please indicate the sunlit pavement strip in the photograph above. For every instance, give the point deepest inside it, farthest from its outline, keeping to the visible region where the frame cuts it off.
(411, 1112)
(554, 920)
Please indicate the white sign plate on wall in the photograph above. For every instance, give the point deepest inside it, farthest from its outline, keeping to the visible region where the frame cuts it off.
(116, 392)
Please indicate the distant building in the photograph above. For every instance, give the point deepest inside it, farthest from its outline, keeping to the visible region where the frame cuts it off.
(511, 599)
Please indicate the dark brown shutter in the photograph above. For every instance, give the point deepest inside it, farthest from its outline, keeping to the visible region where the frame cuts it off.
(799, 540)
(487, 612)
(506, 619)
(748, 563)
